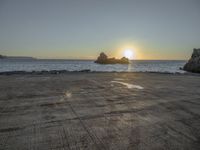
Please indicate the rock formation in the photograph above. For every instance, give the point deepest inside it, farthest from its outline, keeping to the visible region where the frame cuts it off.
(103, 59)
(193, 65)
(1, 56)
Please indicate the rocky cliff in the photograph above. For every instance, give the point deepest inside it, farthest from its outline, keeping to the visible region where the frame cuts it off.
(193, 65)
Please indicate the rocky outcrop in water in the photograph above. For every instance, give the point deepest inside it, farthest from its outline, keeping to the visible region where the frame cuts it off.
(1, 56)
(103, 59)
(193, 65)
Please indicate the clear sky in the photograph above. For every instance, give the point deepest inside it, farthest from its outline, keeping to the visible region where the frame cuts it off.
(154, 29)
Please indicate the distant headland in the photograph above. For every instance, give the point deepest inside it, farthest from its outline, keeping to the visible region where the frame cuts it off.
(103, 59)
(15, 57)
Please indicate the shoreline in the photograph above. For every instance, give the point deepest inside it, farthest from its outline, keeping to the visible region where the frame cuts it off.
(55, 72)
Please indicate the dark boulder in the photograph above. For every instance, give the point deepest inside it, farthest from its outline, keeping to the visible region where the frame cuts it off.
(193, 65)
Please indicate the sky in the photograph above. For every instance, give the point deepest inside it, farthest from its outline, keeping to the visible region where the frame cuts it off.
(81, 29)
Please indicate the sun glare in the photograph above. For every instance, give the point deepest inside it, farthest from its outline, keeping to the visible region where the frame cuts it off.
(128, 53)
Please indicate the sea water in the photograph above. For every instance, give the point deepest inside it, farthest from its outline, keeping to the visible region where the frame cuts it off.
(171, 66)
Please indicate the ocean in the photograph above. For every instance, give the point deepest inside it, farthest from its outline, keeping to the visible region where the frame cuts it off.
(169, 66)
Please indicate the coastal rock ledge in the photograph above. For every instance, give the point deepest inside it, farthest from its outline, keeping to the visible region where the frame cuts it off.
(193, 65)
(103, 59)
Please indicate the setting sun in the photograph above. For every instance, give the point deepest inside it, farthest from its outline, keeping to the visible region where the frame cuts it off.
(128, 53)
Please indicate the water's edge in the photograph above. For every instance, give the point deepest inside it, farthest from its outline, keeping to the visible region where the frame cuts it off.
(56, 72)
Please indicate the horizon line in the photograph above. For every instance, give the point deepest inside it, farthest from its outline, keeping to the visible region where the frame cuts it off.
(49, 58)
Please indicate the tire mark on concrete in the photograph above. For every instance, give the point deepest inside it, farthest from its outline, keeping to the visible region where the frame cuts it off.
(65, 138)
(72, 137)
(62, 146)
(92, 136)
